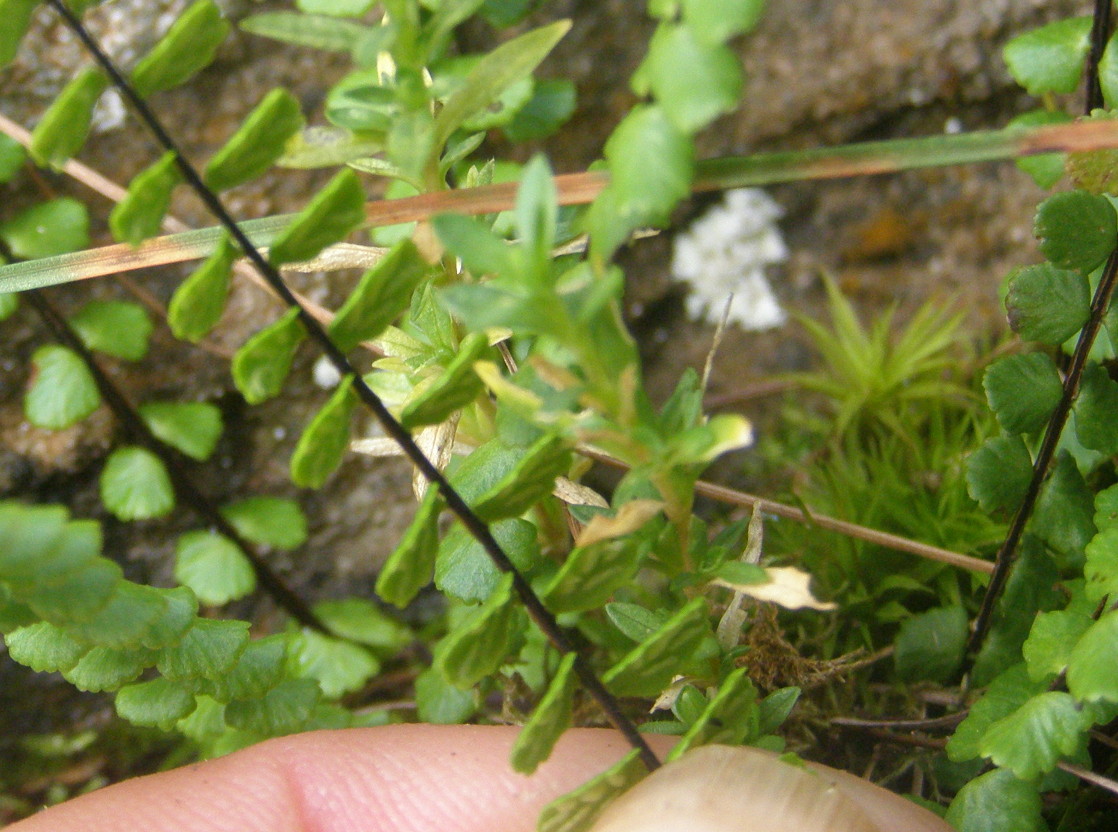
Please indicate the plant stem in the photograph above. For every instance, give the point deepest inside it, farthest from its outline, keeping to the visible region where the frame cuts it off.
(476, 527)
(1007, 554)
(860, 159)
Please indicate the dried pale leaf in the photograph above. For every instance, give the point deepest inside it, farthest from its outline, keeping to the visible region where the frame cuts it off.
(629, 518)
(376, 446)
(337, 257)
(576, 494)
(437, 444)
(667, 698)
(788, 586)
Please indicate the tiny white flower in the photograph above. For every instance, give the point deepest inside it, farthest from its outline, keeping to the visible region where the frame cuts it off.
(326, 374)
(725, 251)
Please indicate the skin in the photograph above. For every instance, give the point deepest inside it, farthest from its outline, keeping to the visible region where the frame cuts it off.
(400, 778)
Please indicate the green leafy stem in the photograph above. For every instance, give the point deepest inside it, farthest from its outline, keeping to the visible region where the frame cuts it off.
(477, 528)
(860, 159)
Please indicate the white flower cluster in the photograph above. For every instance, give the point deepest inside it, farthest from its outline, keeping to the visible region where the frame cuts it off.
(725, 252)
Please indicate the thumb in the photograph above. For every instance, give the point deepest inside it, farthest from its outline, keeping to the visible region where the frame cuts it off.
(400, 778)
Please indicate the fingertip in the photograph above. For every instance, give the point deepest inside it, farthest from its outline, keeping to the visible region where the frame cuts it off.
(403, 778)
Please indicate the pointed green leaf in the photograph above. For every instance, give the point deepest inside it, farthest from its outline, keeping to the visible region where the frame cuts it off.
(44, 647)
(214, 568)
(65, 125)
(479, 645)
(930, 645)
(62, 389)
(135, 485)
(591, 574)
(189, 45)
(209, 649)
(465, 571)
(362, 621)
(140, 214)
(114, 327)
(1077, 230)
(651, 163)
(1050, 59)
(695, 82)
(190, 427)
(482, 251)
(1023, 390)
(159, 703)
(1047, 304)
(1092, 671)
(58, 226)
(283, 710)
(199, 300)
(536, 214)
(530, 480)
(262, 363)
(339, 666)
(716, 21)
(731, 717)
(1029, 741)
(257, 143)
(636, 622)
(550, 718)
(441, 703)
(508, 63)
(15, 19)
(268, 521)
(576, 810)
(315, 31)
(103, 668)
(258, 669)
(649, 667)
(998, 473)
(324, 442)
(130, 618)
(338, 8)
(1095, 425)
(334, 211)
(1008, 692)
(1108, 73)
(381, 295)
(411, 566)
(552, 104)
(1051, 639)
(454, 388)
(775, 708)
(997, 800)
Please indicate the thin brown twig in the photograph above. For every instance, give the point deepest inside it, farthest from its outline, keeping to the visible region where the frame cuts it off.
(822, 521)
(1089, 776)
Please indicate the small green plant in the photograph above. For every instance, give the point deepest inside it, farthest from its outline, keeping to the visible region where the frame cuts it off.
(899, 416)
(873, 379)
(492, 334)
